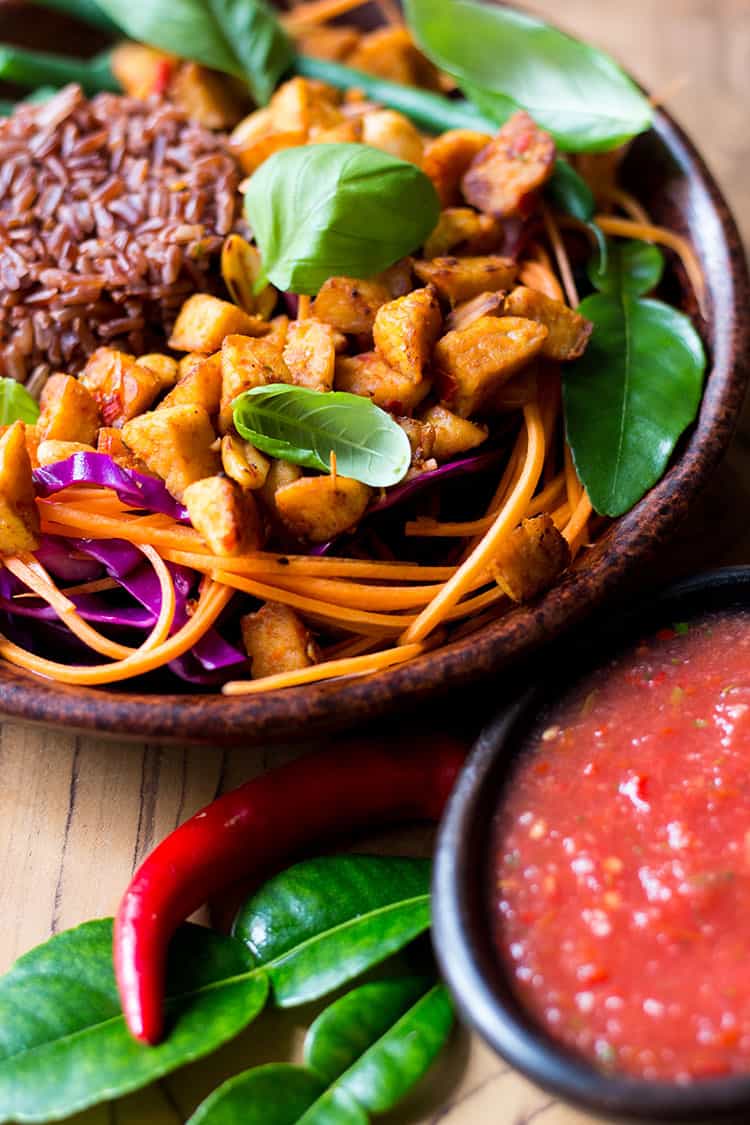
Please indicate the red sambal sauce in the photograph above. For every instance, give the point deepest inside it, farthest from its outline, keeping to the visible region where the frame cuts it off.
(622, 859)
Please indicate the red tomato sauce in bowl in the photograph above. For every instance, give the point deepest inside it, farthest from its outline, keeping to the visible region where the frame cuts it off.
(621, 859)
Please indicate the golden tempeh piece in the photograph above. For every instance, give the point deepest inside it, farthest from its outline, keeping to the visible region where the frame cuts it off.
(318, 508)
(200, 387)
(176, 444)
(406, 330)
(569, 332)
(461, 279)
(531, 558)
(121, 387)
(349, 304)
(310, 353)
(247, 362)
(69, 412)
(463, 231)
(224, 515)
(447, 159)
(370, 376)
(204, 321)
(19, 518)
(513, 166)
(276, 640)
(473, 364)
(453, 435)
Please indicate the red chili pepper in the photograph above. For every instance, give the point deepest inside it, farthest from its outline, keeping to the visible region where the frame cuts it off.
(249, 832)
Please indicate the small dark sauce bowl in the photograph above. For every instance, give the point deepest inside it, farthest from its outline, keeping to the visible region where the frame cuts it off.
(462, 929)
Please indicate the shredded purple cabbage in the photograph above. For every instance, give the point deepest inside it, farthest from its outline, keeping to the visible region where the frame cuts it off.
(146, 493)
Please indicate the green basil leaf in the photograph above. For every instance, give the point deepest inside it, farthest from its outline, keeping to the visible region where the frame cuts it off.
(305, 427)
(324, 922)
(385, 1036)
(16, 404)
(504, 60)
(331, 210)
(630, 267)
(239, 37)
(568, 192)
(64, 1045)
(631, 395)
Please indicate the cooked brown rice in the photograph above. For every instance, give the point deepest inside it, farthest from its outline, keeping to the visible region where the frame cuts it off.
(111, 211)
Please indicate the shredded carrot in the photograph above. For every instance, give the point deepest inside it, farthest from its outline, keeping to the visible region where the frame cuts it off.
(262, 565)
(628, 203)
(99, 586)
(627, 228)
(572, 484)
(480, 559)
(303, 307)
(575, 530)
(333, 467)
(330, 670)
(314, 12)
(561, 257)
(538, 277)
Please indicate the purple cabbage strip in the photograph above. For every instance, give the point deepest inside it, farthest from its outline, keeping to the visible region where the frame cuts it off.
(97, 468)
(54, 553)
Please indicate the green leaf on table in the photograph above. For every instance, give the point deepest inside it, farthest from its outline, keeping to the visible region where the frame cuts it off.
(504, 60)
(16, 404)
(239, 37)
(305, 427)
(324, 922)
(637, 387)
(337, 210)
(363, 1054)
(63, 1041)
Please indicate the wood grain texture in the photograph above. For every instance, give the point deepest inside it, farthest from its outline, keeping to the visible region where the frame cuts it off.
(77, 814)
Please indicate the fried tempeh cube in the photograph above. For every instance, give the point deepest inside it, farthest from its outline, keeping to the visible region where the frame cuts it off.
(110, 442)
(310, 353)
(369, 375)
(452, 434)
(393, 133)
(447, 159)
(244, 463)
(569, 332)
(473, 364)
(316, 509)
(204, 321)
(226, 517)
(176, 444)
(514, 165)
(406, 330)
(530, 559)
(166, 368)
(277, 640)
(247, 362)
(121, 387)
(19, 518)
(461, 279)
(349, 304)
(205, 96)
(461, 229)
(421, 439)
(69, 411)
(200, 387)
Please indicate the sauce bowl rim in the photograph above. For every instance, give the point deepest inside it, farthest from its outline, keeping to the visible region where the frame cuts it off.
(461, 926)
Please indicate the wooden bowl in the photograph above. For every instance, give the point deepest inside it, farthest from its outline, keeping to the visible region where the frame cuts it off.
(666, 172)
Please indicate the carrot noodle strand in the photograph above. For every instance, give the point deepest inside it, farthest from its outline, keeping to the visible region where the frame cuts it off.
(575, 531)
(627, 203)
(627, 228)
(507, 519)
(572, 484)
(561, 257)
(314, 12)
(539, 277)
(330, 670)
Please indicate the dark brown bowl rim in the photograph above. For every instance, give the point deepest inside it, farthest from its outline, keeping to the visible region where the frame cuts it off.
(461, 927)
(336, 704)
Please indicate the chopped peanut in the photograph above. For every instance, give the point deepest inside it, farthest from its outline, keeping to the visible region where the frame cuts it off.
(569, 332)
(247, 362)
(463, 231)
(51, 451)
(200, 387)
(369, 375)
(473, 364)
(225, 516)
(19, 518)
(530, 559)
(513, 166)
(316, 509)
(461, 279)
(244, 463)
(69, 411)
(121, 387)
(447, 159)
(176, 444)
(350, 305)
(452, 434)
(310, 354)
(204, 321)
(276, 641)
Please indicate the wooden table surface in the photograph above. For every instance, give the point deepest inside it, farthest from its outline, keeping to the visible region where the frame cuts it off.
(77, 814)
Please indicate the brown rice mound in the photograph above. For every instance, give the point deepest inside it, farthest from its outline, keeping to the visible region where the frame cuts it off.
(111, 212)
